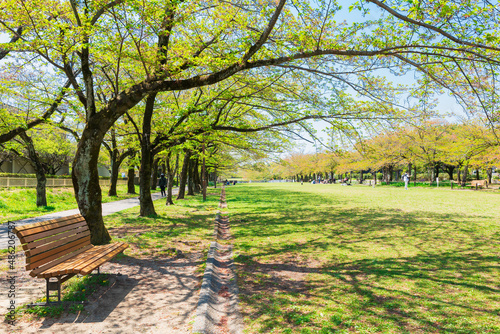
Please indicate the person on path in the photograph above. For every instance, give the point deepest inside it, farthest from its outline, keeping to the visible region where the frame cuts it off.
(406, 178)
(162, 183)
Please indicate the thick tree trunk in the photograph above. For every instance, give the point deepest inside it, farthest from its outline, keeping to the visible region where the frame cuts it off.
(449, 171)
(41, 180)
(437, 169)
(115, 166)
(86, 179)
(147, 208)
(459, 176)
(41, 189)
(489, 173)
(464, 177)
(130, 181)
(477, 174)
(183, 176)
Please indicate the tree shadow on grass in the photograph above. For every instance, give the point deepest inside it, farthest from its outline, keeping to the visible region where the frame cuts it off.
(327, 269)
(405, 295)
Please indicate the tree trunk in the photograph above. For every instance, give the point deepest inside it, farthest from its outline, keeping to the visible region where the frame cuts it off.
(190, 182)
(477, 174)
(459, 177)
(464, 177)
(197, 177)
(415, 175)
(154, 174)
(450, 170)
(41, 180)
(147, 208)
(115, 166)
(170, 180)
(437, 168)
(183, 176)
(86, 178)
(215, 178)
(489, 173)
(130, 181)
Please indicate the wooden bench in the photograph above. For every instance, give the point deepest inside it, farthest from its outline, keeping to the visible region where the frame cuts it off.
(479, 183)
(61, 248)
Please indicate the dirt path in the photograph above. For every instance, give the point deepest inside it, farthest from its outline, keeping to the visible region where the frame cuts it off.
(150, 296)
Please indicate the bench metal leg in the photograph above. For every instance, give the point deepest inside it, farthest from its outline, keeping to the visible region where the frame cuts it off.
(53, 286)
(56, 286)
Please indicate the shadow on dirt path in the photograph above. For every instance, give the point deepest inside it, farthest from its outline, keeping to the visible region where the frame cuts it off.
(144, 296)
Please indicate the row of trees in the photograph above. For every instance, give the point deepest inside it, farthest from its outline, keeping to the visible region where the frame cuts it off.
(180, 74)
(432, 146)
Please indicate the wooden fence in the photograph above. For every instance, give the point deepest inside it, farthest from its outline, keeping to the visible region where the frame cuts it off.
(28, 182)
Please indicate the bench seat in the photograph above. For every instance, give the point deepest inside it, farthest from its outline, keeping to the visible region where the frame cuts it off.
(85, 262)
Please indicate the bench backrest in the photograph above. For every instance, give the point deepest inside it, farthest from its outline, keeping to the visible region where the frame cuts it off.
(49, 243)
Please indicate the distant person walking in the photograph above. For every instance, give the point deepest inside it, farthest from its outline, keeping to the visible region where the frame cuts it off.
(162, 183)
(406, 178)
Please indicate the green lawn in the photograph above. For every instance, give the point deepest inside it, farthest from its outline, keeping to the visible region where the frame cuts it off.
(357, 259)
(20, 203)
(186, 227)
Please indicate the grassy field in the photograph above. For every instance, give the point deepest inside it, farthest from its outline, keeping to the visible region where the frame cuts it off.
(336, 259)
(20, 203)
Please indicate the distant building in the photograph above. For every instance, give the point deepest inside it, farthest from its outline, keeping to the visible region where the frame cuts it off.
(19, 165)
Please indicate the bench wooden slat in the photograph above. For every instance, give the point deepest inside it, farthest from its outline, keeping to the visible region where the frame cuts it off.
(19, 229)
(93, 265)
(48, 225)
(41, 242)
(37, 236)
(38, 260)
(55, 244)
(68, 266)
(43, 268)
(86, 260)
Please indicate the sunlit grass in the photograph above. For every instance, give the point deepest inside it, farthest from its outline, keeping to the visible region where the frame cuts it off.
(20, 203)
(357, 259)
(177, 229)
